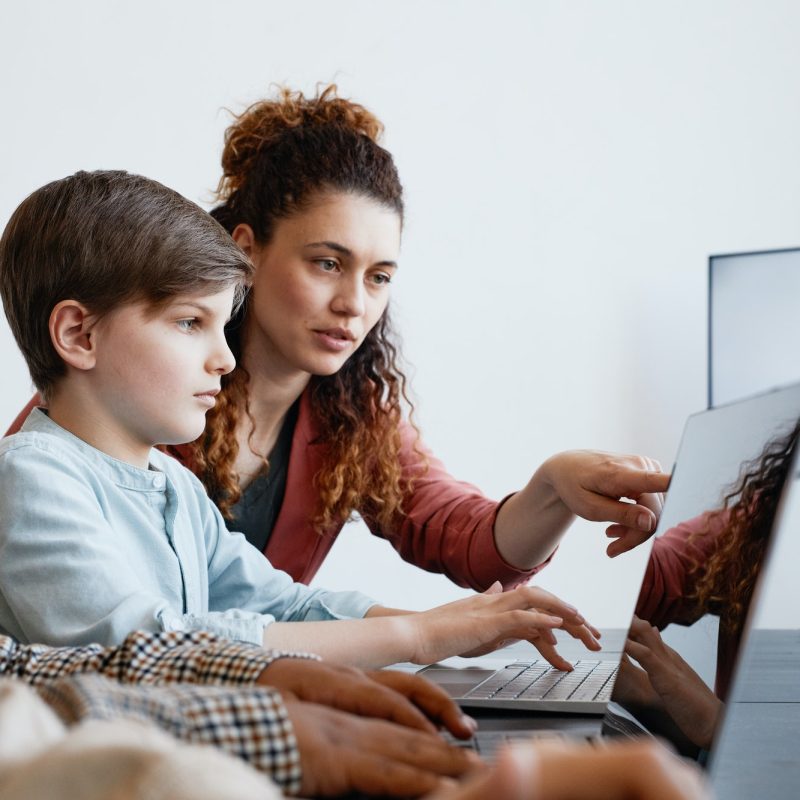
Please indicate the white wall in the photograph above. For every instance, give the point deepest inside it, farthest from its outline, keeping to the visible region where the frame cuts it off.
(568, 166)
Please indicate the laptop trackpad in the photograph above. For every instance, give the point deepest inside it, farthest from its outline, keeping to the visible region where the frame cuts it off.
(456, 682)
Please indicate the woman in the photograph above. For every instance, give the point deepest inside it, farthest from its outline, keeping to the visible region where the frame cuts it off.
(310, 427)
(318, 206)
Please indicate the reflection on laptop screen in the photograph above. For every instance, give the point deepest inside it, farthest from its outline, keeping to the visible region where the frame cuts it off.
(702, 570)
(769, 671)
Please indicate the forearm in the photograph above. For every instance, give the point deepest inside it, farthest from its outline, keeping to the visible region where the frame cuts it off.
(530, 524)
(375, 641)
(143, 658)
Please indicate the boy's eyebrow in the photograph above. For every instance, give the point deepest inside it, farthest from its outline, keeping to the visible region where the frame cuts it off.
(345, 251)
(201, 307)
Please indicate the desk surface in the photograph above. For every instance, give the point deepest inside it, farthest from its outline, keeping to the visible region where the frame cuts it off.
(758, 755)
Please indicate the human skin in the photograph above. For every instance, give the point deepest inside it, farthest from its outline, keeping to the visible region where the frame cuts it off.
(138, 376)
(398, 697)
(666, 681)
(619, 771)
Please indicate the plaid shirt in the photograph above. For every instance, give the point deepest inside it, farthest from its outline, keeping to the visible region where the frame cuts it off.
(226, 710)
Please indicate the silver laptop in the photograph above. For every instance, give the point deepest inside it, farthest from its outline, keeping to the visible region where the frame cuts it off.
(714, 447)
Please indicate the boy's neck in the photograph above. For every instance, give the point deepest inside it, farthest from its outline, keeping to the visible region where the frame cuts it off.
(80, 414)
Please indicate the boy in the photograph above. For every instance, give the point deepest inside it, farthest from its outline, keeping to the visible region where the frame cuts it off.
(117, 290)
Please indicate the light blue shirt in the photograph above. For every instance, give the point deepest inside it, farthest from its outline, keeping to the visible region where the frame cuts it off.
(92, 548)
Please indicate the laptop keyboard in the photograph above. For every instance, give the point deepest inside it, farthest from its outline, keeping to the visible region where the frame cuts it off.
(538, 680)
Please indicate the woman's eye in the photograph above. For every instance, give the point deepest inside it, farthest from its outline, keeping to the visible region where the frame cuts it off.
(187, 324)
(327, 264)
(381, 278)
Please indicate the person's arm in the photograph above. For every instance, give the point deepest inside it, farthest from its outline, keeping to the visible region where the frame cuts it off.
(63, 570)
(82, 561)
(633, 770)
(306, 748)
(449, 526)
(586, 483)
(146, 658)
(472, 626)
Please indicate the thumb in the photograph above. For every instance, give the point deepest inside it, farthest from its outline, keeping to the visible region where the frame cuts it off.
(495, 588)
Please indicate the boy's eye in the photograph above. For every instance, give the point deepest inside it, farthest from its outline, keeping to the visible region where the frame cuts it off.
(187, 324)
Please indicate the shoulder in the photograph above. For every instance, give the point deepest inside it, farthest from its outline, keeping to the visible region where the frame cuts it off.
(31, 448)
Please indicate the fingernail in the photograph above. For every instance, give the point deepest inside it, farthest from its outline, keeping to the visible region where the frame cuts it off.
(645, 522)
(469, 722)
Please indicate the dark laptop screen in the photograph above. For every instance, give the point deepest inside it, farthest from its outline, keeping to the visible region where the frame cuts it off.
(699, 580)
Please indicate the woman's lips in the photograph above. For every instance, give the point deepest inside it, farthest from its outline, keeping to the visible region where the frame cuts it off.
(334, 340)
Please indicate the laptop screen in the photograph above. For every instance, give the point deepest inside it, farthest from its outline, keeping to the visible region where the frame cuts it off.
(684, 640)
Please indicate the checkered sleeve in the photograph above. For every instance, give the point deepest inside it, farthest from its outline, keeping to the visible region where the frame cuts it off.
(250, 722)
(144, 658)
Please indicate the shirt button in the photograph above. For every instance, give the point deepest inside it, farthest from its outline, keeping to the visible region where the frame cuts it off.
(158, 482)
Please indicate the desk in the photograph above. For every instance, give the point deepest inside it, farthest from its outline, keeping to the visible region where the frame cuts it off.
(759, 755)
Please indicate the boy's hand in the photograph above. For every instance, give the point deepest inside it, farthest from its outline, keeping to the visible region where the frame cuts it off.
(342, 753)
(405, 699)
(482, 623)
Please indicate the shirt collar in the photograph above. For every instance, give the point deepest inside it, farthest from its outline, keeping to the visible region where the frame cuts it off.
(120, 472)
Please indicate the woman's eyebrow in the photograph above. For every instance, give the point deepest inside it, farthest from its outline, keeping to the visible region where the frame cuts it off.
(339, 248)
(346, 251)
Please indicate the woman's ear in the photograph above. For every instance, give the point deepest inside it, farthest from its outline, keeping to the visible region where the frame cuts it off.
(71, 327)
(243, 236)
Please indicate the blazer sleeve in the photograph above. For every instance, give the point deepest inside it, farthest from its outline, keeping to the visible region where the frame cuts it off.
(447, 525)
(677, 558)
(35, 401)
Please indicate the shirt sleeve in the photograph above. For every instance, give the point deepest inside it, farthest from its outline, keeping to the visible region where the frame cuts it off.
(64, 577)
(144, 658)
(251, 723)
(447, 525)
(676, 561)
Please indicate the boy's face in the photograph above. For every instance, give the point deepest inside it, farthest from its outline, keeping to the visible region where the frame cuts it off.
(157, 373)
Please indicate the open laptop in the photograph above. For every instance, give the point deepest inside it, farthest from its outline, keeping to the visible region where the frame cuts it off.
(714, 447)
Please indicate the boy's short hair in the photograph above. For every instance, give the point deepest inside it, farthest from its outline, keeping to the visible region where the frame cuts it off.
(104, 239)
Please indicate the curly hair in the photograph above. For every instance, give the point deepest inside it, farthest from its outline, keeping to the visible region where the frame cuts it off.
(727, 579)
(279, 155)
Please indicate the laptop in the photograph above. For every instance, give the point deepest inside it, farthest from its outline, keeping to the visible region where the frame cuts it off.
(714, 447)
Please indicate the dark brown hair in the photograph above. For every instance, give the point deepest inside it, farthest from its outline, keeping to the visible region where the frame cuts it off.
(280, 154)
(105, 239)
(727, 579)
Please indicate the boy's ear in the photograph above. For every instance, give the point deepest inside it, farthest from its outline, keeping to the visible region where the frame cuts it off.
(243, 236)
(71, 327)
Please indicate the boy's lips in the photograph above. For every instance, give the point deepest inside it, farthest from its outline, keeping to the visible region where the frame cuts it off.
(208, 398)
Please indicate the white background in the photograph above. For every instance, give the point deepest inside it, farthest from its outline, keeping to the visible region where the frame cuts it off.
(569, 167)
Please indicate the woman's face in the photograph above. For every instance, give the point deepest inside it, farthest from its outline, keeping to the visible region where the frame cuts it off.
(321, 284)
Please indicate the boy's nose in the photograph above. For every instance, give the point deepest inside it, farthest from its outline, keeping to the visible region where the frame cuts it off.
(222, 361)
